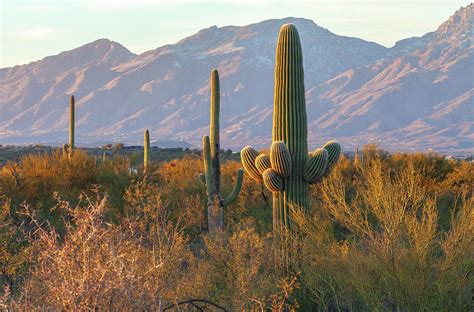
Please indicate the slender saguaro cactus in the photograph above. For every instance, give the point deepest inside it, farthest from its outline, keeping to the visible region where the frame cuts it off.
(288, 170)
(68, 148)
(146, 150)
(212, 171)
(71, 122)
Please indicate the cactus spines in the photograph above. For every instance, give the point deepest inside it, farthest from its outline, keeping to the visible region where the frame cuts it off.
(146, 150)
(272, 180)
(212, 170)
(291, 169)
(316, 166)
(248, 155)
(262, 162)
(280, 159)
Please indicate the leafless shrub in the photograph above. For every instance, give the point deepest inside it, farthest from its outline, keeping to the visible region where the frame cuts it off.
(99, 265)
(392, 255)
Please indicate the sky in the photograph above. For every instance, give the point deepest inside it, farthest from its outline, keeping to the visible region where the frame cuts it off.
(33, 29)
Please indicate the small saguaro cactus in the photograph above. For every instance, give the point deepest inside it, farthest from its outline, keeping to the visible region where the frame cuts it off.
(212, 171)
(146, 150)
(356, 158)
(288, 170)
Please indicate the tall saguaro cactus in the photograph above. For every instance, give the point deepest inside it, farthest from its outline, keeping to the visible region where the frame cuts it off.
(146, 150)
(212, 171)
(71, 122)
(288, 170)
(68, 148)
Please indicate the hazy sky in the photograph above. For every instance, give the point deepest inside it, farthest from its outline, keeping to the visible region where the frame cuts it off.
(33, 29)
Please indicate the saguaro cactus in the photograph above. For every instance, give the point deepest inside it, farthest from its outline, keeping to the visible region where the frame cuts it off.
(146, 150)
(288, 170)
(71, 122)
(212, 171)
(68, 148)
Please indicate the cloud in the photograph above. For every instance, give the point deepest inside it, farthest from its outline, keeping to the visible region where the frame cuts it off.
(36, 33)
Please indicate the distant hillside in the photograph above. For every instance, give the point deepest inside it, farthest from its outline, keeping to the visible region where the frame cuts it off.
(416, 95)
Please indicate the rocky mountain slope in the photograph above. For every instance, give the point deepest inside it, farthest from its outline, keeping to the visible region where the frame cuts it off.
(416, 95)
(420, 100)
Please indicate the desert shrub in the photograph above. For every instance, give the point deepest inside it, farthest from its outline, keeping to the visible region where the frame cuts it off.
(179, 178)
(238, 268)
(14, 251)
(461, 179)
(178, 182)
(114, 176)
(394, 256)
(143, 199)
(41, 175)
(108, 266)
(254, 200)
(37, 177)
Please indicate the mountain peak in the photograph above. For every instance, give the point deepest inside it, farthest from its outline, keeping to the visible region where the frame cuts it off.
(101, 48)
(102, 51)
(460, 23)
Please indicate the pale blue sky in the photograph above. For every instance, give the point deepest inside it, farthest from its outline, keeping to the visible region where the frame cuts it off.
(33, 29)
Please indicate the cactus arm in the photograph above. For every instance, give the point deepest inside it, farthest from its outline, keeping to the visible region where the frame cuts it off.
(248, 156)
(316, 166)
(236, 191)
(273, 181)
(280, 159)
(334, 151)
(262, 162)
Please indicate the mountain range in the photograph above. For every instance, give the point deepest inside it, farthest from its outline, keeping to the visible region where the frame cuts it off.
(416, 95)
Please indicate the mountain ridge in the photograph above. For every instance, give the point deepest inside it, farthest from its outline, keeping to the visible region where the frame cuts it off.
(166, 89)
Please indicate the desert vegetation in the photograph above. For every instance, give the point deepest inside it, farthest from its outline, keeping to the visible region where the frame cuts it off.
(294, 231)
(382, 232)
